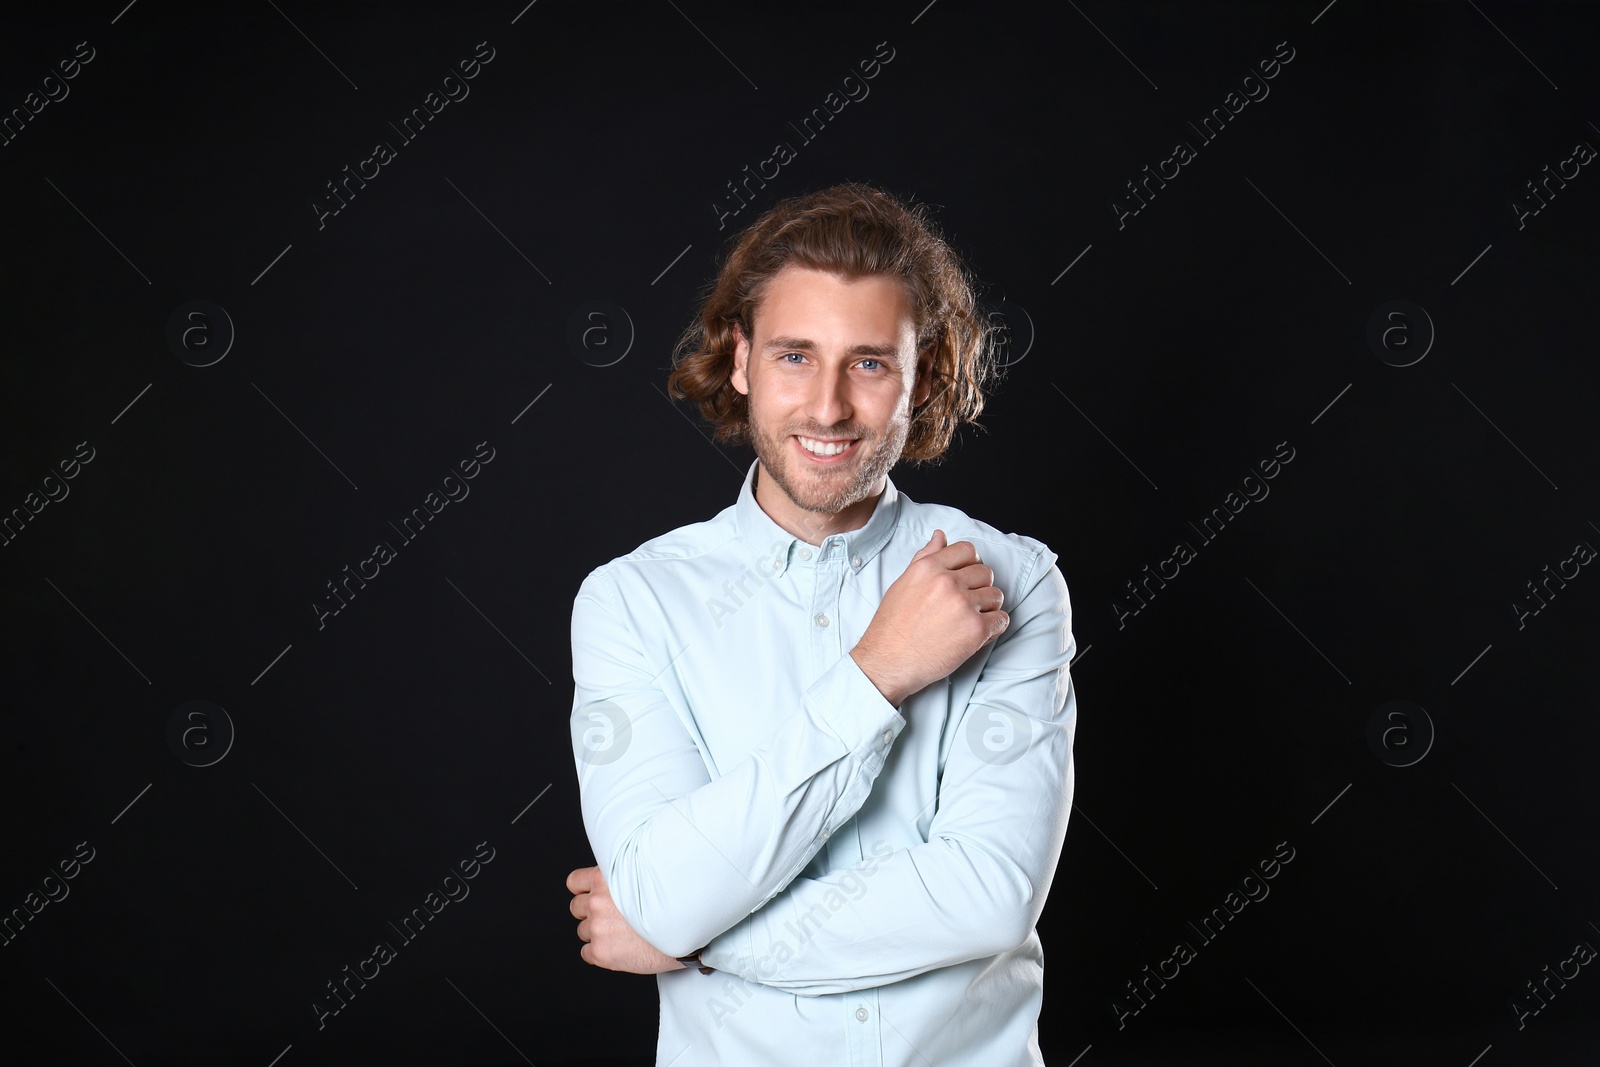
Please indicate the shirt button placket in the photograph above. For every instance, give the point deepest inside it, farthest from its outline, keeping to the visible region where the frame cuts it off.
(862, 1023)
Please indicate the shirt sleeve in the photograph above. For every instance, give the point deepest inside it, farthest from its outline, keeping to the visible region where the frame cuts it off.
(686, 857)
(976, 887)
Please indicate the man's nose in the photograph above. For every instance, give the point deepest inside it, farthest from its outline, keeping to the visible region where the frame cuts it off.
(829, 403)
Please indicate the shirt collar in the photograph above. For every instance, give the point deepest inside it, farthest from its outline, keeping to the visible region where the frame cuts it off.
(772, 548)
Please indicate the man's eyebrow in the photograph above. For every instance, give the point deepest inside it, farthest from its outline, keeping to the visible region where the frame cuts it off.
(801, 344)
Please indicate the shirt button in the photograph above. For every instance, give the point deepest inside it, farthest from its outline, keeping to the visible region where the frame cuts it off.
(822, 620)
(861, 1014)
(855, 561)
(805, 553)
(888, 735)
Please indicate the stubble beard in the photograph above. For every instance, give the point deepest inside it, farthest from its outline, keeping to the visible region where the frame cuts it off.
(824, 490)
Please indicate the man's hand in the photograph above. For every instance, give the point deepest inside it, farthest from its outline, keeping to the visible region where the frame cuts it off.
(611, 942)
(931, 620)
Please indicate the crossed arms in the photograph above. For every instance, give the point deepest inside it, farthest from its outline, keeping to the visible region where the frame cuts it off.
(688, 861)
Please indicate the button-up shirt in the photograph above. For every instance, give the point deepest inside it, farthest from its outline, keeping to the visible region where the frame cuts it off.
(866, 879)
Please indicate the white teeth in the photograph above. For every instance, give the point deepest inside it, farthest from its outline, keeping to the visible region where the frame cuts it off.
(821, 448)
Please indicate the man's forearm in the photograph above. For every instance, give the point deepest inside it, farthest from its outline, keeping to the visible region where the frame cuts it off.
(879, 674)
(686, 857)
(940, 903)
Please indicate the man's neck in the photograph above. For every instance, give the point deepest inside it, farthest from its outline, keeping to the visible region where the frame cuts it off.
(810, 526)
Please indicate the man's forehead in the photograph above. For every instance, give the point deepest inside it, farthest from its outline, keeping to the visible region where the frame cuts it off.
(790, 320)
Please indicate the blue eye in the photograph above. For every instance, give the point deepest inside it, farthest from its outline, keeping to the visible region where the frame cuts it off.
(786, 355)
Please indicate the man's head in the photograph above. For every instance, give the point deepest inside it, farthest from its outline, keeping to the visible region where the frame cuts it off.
(896, 355)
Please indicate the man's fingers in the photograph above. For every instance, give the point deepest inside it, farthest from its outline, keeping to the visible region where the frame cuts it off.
(580, 905)
(1003, 623)
(954, 555)
(976, 575)
(582, 879)
(935, 543)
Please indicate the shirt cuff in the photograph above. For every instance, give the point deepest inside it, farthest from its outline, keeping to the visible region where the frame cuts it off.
(844, 700)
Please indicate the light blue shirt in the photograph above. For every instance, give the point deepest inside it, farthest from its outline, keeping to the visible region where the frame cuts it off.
(867, 879)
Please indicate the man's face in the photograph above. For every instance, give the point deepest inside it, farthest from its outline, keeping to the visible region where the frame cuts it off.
(831, 361)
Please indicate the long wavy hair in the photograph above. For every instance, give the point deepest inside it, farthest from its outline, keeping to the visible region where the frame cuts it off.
(854, 230)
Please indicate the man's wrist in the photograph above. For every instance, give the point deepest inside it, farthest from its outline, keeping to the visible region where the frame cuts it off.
(875, 675)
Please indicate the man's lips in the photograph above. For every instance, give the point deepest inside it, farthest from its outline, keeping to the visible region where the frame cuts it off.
(849, 451)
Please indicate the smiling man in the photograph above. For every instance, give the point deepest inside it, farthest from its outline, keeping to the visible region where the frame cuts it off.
(826, 776)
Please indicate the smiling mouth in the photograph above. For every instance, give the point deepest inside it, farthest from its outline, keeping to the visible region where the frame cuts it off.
(823, 450)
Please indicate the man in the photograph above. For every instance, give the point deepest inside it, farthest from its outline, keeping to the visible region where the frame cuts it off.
(826, 776)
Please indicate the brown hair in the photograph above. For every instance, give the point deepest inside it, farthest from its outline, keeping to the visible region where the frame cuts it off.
(853, 230)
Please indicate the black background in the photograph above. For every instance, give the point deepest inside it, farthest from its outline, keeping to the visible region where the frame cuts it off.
(588, 163)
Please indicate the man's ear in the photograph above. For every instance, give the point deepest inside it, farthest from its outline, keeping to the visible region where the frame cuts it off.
(924, 386)
(741, 361)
